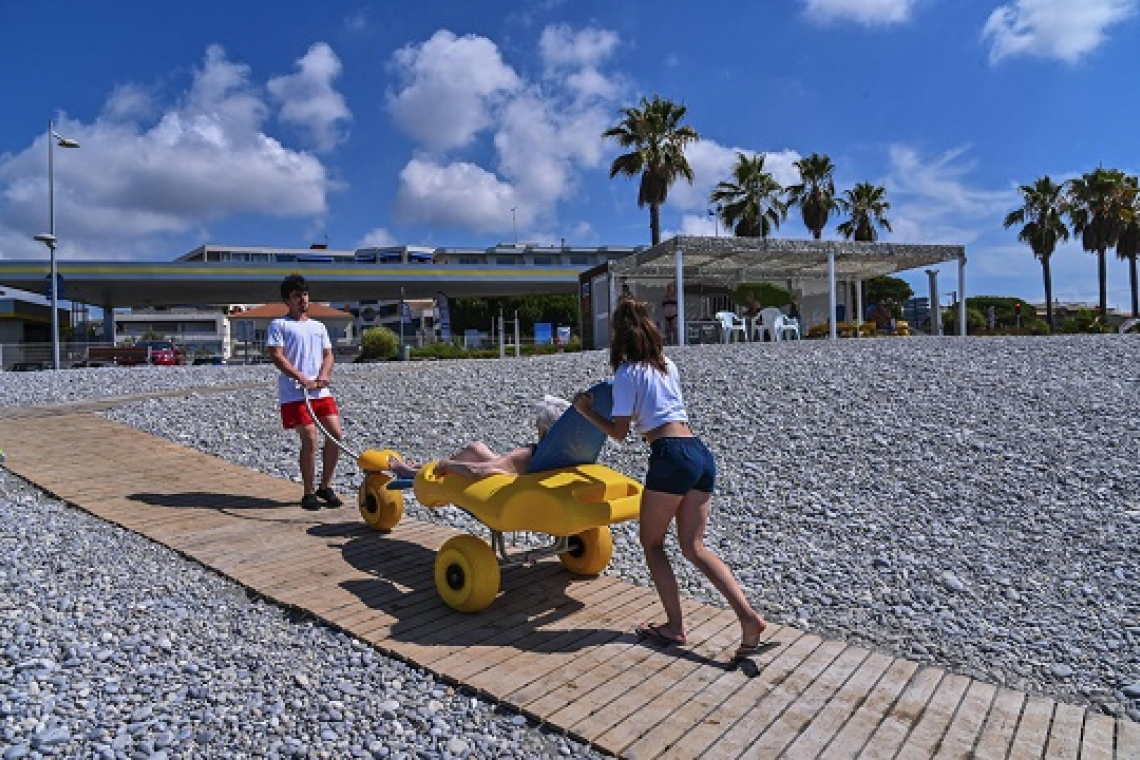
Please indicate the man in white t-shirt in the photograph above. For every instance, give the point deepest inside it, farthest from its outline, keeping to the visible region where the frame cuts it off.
(300, 348)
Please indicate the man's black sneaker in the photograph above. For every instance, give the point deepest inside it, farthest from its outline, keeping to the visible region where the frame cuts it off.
(310, 502)
(329, 497)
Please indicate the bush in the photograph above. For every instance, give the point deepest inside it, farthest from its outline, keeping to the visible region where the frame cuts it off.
(378, 343)
(1084, 321)
(976, 321)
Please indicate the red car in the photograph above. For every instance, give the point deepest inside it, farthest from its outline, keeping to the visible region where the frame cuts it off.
(163, 352)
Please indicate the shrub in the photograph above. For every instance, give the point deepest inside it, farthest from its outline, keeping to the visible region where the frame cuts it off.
(378, 343)
(1084, 321)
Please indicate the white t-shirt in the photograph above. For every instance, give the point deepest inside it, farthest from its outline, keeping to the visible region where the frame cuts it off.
(650, 397)
(304, 344)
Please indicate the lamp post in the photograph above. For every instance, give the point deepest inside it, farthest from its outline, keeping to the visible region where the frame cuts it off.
(49, 239)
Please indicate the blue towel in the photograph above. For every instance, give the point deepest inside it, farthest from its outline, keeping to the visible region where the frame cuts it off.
(574, 440)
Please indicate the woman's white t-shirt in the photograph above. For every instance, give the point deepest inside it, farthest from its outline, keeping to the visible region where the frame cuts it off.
(648, 396)
(304, 344)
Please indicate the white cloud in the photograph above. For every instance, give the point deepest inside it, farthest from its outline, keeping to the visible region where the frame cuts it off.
(562, 48)
(525, 143)
(458, 195)
(128, 102)
(932, 202)
(1062, 29)
(450, 88)
(308, 100)
(866, 12)
(712, 163)
(377, 238)
(134, 182)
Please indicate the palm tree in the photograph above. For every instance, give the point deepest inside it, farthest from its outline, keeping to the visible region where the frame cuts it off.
(658, 139)
(750, 204)
(1095, 204)
(1128, 243)
(815, 195)
(867, 204)
(1043, 228)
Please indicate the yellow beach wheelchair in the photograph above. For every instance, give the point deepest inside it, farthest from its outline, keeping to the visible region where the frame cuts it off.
(564, 494)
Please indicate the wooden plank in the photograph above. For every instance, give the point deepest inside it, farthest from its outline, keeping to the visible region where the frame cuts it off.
(906, 711)
(498, 630)
(927, 733)
(1065, 733)
(629, 663)
(1097, 738)
(598, 664)
(802, 712)
(849, 742)
(623, 719)
(771, 704)
(704, 714)
(844, 704)
(1032, 730)
(576, 650)
(967, 722)
(567, 629)
(1001, 724)
(714, 713)
(1127, 739)
(690, 686)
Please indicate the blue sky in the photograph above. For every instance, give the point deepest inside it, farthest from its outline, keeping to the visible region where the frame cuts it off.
(285, 123)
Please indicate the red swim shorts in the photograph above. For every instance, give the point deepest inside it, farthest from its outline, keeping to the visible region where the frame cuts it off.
(294, 414)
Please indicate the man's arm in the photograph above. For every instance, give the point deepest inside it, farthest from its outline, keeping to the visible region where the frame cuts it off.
(277, 356)
(326, 368)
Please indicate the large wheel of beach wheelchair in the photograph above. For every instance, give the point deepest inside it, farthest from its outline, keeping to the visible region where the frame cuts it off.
(467, 573)
(381, 508)
(590, 551)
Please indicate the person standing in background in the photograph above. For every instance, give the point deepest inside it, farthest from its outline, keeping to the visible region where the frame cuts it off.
(301, 350)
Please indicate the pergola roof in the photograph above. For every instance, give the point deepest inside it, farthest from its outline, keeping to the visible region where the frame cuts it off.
(731, 260)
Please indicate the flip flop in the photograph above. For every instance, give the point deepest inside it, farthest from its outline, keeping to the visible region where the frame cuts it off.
(658, 636)
(744, 652)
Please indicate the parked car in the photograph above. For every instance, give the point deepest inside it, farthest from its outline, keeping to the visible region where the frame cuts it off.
(28, 366)
(163, 352)
(210, 360)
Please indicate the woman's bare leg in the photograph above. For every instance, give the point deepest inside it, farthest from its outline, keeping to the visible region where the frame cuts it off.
(476, 451)
(692, 519)
(657, 512)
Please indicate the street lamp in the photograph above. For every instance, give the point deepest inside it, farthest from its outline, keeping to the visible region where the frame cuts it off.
(49, 240)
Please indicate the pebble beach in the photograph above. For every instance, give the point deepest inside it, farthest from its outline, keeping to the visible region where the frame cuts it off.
(965, 503)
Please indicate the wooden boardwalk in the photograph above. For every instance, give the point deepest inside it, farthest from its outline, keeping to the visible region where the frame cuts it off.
(554, 647)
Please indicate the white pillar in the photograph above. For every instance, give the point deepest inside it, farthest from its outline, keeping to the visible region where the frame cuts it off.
(680, 269)
(831, 292)
(858, 308)
(962, 295)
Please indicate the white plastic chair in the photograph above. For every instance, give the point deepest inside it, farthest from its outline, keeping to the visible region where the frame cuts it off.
(730, 324)
(787, 328)
(767, 324)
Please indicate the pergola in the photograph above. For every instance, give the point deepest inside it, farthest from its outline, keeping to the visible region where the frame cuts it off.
(727, 261)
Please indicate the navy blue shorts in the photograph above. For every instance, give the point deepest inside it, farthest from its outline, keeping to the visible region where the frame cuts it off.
(680, 465)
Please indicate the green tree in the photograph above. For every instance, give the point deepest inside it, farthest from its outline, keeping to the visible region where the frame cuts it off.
(479, 313)
(867, 205)
(1128, 242)
(815, 195)
(1096, 207)
(750, 204)
(893, 291)
(657, 138)
(1043, 226)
